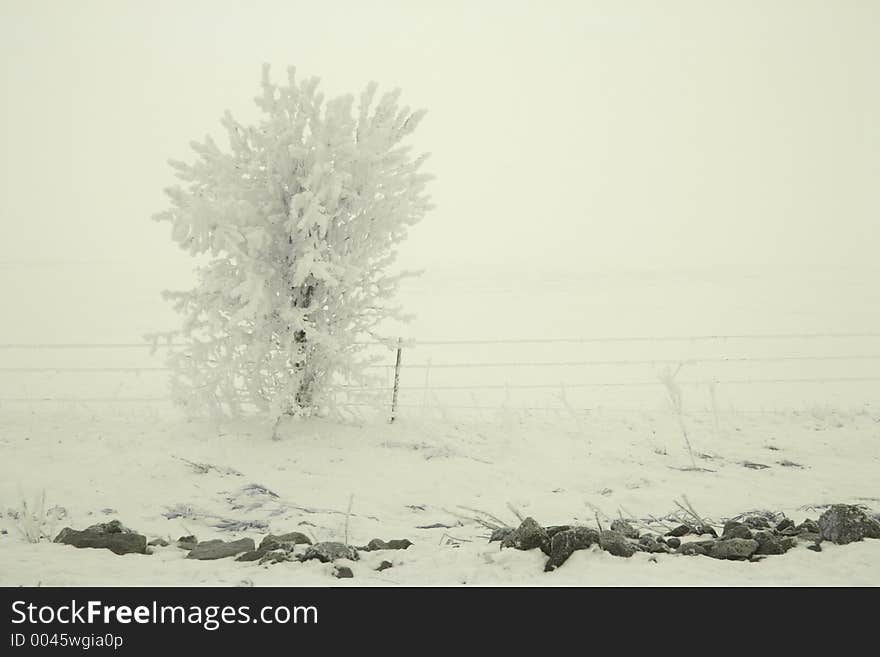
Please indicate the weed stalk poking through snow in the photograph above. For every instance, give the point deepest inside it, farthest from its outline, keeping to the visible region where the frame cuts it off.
(37, 522)
(348, 516)
(674, 395)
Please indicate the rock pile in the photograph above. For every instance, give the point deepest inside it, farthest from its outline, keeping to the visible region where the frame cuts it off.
(750, 539)
(113, 536)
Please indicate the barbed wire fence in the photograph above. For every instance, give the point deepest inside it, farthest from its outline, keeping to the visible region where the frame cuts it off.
(420, 392)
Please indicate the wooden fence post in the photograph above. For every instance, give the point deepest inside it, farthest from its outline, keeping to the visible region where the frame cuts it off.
(396, 379)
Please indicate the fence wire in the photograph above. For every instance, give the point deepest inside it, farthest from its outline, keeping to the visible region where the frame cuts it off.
(489, 365)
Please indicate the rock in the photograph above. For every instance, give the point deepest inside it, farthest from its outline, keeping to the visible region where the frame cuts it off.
(808, 527)
(555, 529)
(673, 542)
(287, 541)
(768, 543)
(734, 529)
(111, 536)
(733, 548)
(624, 528)
(785, 524)
(330, 551)
(706, 530)
(159, 542)
(274, 556)
(651, 544)
(394, 544)
(787, 542)
(217, 549)
(343, 572)
(385, 565)
(187, 542)
(756, 522)
(681, 530)
(845, 523)
(566, 542)
(696, 548)
(615, 543)
(528, 536)
(815, 547)
(281, 547)
(500, 534)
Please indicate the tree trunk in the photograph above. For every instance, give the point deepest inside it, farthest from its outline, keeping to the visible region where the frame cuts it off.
(303, 397)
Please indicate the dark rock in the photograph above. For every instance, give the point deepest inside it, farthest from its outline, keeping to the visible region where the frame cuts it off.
(280, 547)
(785, 524)
(385, 565)
(274, 556)
(555, 529)
(111, 536)
(733, 529)
(187, 542)
(379, 544)
(615, 543)
(768, 543)
(808, 527)
(815, 547)
(330, 551)
(673, 542)
(565, 543)
(706, 530)
(756, 522)
(787, 542)
(343, 572)
(696, 548)
(217, 549)
(500, 534)
(624, 528)
(845, 523)
(286, 541)
(528, 536)
(681, 530)
(733, 548)
(650, 543)
(159, 542)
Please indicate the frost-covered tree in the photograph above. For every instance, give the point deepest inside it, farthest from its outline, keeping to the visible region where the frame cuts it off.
(297, 223)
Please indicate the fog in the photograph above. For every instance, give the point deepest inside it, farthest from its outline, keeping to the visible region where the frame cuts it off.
(575, 136)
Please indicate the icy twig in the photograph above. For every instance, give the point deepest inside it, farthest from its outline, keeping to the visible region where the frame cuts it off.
(495, 519)
(676, 401)
(348, 515)
(515, 512)
(689, 512)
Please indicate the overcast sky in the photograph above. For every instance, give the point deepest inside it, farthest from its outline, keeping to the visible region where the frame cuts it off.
(582, 134)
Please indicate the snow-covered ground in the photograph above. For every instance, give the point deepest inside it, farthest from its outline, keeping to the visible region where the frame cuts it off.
(617, 449)
(418, 473)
